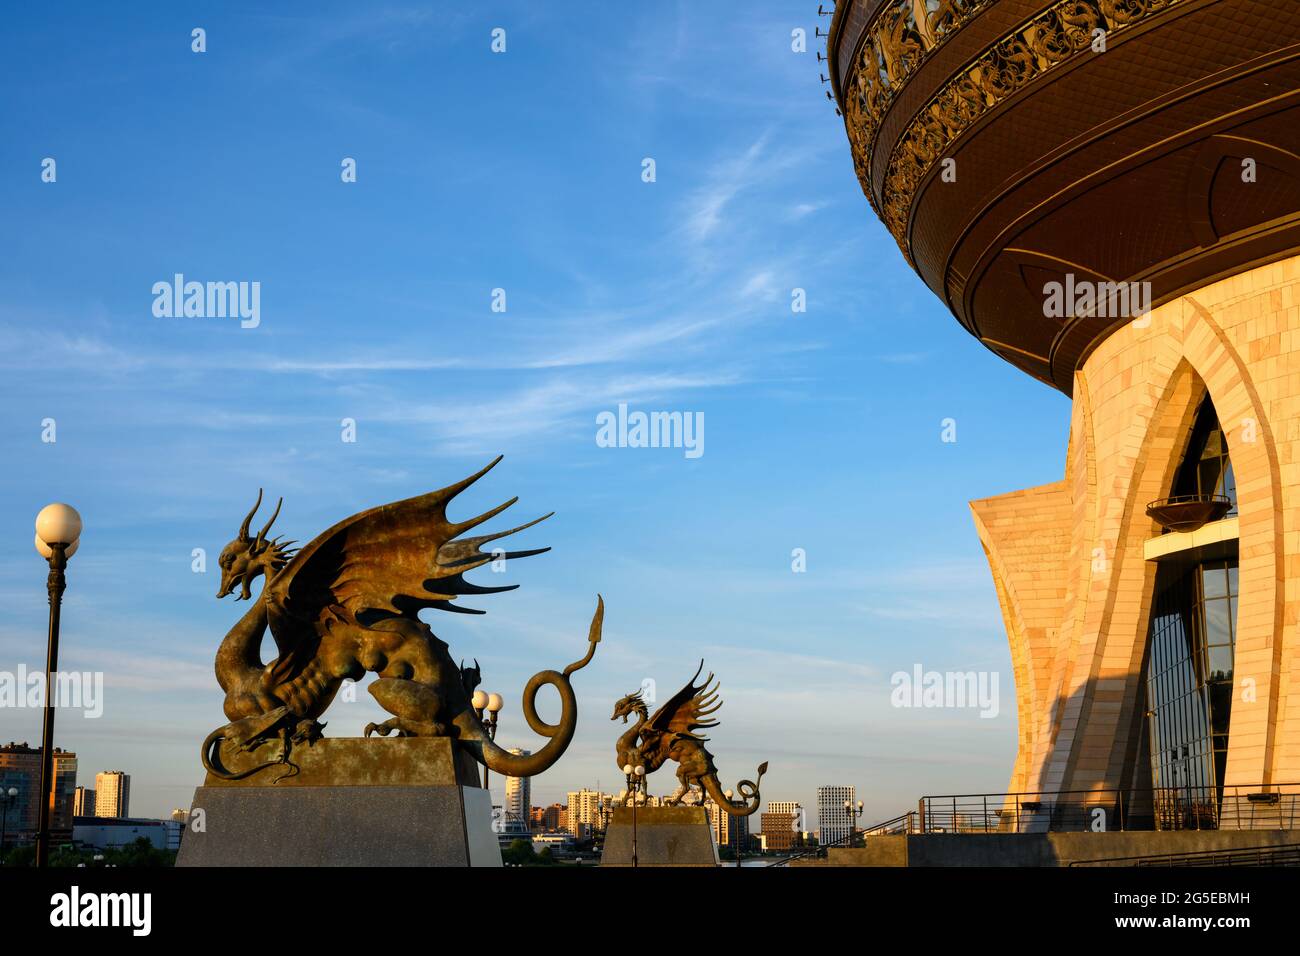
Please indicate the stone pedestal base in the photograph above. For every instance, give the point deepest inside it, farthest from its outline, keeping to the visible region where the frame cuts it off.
(665, 836)
(353, 802)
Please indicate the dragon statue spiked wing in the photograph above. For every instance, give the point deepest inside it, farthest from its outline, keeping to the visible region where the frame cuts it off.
(671, 735)
(347, 604)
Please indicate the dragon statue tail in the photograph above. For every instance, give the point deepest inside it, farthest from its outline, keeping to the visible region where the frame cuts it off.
(747, 790)
(498, 760)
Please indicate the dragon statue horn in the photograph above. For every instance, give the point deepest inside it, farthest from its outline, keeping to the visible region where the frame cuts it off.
(248, 518)
(497, 759)
(261, 535)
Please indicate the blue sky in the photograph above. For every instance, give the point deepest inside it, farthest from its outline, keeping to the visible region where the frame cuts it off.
(476, 171)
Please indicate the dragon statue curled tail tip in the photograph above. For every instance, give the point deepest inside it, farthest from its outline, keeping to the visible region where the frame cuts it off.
(347, 604)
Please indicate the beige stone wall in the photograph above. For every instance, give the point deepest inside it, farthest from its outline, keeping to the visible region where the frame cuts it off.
(1067, 558)
(1026, 537)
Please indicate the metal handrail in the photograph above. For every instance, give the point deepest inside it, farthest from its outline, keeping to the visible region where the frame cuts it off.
(903, 823)
(819, 849)
(1256, 807)
(1273, 806)
(1286, 854)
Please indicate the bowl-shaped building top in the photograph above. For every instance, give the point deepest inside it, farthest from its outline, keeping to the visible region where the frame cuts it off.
(1055, 168)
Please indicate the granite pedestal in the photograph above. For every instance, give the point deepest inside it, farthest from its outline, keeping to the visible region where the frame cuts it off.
(408, 801)
(665, 836)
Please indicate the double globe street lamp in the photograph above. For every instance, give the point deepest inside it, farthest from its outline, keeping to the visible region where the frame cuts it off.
(489, 704)
(853, 813)
(58, 530)
(635, 784)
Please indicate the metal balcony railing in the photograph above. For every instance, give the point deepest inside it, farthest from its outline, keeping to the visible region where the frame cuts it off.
(1188, 512)
(1258, 807)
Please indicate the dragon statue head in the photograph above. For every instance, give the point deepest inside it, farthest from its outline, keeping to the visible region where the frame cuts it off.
(247, 557)
(471, 677)
(627, 706)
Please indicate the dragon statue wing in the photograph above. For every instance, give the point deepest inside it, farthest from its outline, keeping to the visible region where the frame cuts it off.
(688, 709)
(390, 561)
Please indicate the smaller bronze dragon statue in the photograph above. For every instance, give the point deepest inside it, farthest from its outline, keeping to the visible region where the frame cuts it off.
(671, 735)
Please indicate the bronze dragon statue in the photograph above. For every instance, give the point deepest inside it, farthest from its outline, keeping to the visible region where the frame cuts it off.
(671, 735)
(348, 604)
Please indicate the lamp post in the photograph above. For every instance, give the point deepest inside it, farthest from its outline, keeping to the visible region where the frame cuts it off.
(58, 528)
(8, 796)
(491, 704)
(852, 813)
(602, 816)
(635, 780)
(733, 826)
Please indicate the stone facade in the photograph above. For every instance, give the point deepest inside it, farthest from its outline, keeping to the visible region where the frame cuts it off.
(1068, 558)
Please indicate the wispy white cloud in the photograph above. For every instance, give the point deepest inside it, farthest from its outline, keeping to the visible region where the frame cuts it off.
(800, 210)
(727, 179)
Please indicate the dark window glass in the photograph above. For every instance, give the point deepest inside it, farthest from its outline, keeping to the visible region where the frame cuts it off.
(1220, 705)
(1220, 664)
(1207, 468)
(1189, 689)
(1217, 629)
(1215, 582)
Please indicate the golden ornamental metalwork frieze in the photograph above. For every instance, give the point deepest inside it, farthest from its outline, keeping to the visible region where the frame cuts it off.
(896, 46)
(900, 38)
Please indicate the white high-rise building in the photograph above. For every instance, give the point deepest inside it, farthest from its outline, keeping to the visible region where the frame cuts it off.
(585, 811)
(519, 793)
(112, 794)
(833, 823)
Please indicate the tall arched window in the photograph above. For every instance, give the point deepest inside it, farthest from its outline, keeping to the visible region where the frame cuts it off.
(1206, 468)
(1191, 640)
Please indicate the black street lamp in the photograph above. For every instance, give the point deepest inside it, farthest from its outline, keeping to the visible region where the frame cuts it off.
(58, 528)
(487, 706)
(635, 781)
(852, 813)
(8, 797)
(733, 826)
